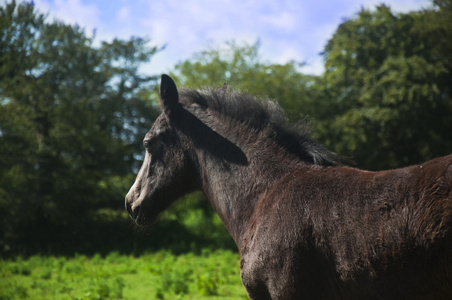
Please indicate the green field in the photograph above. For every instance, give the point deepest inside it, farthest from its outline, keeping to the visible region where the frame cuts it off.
(160, 275)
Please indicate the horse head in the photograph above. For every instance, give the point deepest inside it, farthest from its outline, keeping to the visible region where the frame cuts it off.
(165, 173)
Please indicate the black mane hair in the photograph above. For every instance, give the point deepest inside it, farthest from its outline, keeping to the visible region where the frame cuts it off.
(261, 114)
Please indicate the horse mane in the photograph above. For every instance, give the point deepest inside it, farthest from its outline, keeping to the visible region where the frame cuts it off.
(261, 115)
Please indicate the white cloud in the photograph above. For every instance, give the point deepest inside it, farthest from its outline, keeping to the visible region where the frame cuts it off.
(72, 12)
(123, 15)
(280, 53)
(159, 30)
(282, 20)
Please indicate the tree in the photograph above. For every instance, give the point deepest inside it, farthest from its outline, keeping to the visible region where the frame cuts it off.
(72, 117)
(384, 99)
(243, 69)
(389, 88)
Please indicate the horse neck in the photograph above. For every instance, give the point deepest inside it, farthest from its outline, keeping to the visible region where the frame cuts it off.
(233, 189)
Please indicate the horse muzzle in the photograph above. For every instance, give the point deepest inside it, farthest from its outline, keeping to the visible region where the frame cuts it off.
(132, 204)
(138, 213)
(133, 212)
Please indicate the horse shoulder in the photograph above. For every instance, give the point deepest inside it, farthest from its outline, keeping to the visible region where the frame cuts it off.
(278, 260)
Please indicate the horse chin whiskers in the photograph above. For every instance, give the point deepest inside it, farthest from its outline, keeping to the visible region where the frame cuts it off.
(142, 216)
(144, 220)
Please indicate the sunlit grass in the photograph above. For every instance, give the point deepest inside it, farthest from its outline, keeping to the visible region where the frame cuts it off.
(160, 275)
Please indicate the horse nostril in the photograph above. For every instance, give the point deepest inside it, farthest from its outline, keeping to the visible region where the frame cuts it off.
(132, 213)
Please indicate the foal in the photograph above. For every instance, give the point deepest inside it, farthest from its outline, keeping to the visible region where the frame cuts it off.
(305, 226)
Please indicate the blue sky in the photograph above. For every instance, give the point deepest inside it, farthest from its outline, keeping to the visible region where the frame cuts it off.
(287, 29)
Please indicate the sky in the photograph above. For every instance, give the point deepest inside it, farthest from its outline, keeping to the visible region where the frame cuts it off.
(287, 29)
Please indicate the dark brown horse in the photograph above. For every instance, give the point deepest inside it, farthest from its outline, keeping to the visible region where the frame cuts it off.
(306, 227)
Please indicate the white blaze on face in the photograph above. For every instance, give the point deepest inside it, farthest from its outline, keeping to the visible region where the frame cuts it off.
(137, 187)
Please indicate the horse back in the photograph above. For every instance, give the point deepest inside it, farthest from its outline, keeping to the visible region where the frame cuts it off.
(340, 232)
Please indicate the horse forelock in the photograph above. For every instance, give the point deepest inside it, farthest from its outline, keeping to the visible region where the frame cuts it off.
(257, 115)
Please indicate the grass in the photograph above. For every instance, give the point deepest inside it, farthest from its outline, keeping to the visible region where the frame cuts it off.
(159, 275)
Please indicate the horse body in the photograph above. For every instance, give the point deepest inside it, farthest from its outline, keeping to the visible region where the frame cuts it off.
(357, 235)
(305, 227)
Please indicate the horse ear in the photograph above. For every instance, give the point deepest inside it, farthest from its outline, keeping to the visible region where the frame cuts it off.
(224, 88)
(169, 97)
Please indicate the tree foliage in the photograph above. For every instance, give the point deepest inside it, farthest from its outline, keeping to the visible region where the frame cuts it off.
(242, 68)
(384, 99)
(72, 117)
(388, 80)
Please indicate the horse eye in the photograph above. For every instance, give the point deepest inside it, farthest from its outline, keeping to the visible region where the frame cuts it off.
(150, 145)
(147, 145)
